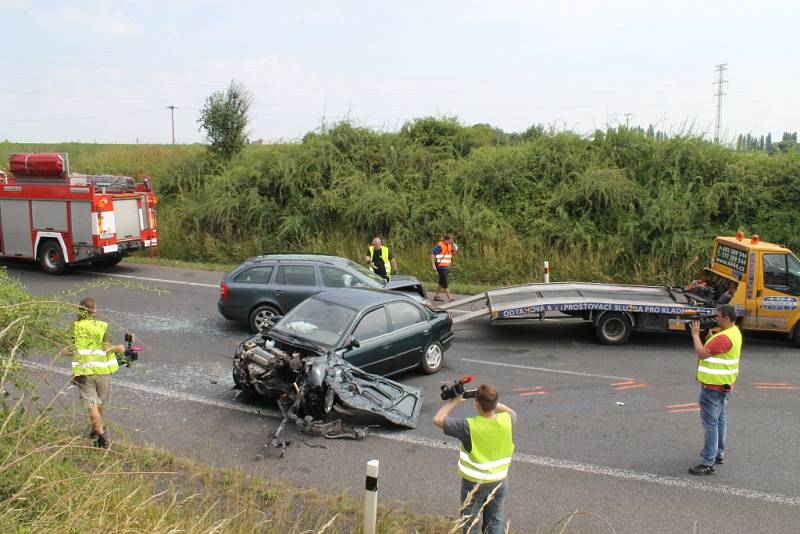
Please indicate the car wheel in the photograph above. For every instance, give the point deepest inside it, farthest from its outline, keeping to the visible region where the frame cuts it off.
(614, 328)
(433, 358)
(52, 258)
(796, 334)
(260, 316)
(314, 404)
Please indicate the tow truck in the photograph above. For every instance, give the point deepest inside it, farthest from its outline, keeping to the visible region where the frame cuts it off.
(761, 280)
(60, 219)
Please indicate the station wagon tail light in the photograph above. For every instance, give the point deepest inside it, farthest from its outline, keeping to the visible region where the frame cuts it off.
(223, 290)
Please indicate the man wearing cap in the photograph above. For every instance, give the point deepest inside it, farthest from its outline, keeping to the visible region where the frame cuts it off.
(717, 370)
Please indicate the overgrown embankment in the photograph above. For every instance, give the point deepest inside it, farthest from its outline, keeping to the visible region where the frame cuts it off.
(621, 205)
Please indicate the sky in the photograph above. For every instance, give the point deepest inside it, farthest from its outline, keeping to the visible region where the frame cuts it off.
(104, 71)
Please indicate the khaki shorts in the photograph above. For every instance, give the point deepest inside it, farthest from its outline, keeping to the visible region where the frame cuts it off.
(94, 389)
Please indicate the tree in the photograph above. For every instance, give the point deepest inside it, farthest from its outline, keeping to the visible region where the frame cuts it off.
(225, 118)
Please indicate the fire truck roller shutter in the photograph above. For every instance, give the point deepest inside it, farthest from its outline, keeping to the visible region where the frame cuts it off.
(15, 222)
(81, 217)
(49, 215)
(126, 213)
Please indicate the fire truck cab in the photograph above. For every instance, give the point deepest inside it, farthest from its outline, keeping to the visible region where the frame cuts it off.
(61, 219)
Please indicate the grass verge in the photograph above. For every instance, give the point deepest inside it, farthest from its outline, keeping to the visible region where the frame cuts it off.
(54, 482)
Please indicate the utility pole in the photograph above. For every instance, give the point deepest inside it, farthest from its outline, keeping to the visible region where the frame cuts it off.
(627, 119)
(720, 92)
(172, 112)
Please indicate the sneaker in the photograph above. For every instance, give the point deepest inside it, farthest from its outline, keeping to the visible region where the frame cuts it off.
(701, 469)
(719, 461)
(102, 442)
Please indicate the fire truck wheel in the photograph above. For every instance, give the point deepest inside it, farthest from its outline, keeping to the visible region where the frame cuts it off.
(614, 328)
(107, 261)
(260, 316)
(52, 258)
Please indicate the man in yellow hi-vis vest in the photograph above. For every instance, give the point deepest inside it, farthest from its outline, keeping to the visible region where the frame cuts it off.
(717, 370)
(487, 446)
(381, 260)
(94, 359)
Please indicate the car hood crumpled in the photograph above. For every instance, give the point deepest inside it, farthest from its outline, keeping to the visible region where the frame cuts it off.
(397, 403)
(404, 282)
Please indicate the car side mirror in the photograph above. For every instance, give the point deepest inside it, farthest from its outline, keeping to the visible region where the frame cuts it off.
(353, 343)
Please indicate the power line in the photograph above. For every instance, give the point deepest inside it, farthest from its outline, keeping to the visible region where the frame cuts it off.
(82, 117)
(719, 94)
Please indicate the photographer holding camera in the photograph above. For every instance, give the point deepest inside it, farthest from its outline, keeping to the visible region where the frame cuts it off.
(486, 449)
(717, 370)
(94, 359)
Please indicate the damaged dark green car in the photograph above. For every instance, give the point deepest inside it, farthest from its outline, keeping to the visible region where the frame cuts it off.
(332, 352)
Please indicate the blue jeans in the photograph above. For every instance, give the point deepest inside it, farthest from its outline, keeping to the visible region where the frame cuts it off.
(492, 513)
(714, 415)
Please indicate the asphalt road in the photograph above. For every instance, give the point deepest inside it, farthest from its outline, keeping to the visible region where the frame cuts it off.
(610, 431)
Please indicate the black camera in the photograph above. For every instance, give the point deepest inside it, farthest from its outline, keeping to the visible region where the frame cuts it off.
(131, 353)
(451, 391)
(707, 322)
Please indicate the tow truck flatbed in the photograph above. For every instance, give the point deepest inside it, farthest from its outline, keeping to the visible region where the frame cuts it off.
(615, 310)
(532, 301)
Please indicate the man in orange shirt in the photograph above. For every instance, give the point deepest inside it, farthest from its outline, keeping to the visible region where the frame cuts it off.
(441, 257)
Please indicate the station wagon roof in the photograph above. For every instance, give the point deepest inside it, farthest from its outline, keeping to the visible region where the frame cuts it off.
(328, 258)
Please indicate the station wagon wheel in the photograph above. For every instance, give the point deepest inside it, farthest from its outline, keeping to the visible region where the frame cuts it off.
(51, 258)
(614, 328)
(433, 359)
(260, 316)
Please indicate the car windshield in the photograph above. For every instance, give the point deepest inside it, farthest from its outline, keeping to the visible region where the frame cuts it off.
(374, 279)
(318, 321)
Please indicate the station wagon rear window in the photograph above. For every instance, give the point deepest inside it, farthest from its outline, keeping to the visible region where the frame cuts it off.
(296, 275)
(255, 275)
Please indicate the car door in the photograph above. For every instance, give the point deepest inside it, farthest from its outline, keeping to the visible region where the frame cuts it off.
(374, 354)
(293, 284)
(777, 301)
(410, 334)
(250, 287)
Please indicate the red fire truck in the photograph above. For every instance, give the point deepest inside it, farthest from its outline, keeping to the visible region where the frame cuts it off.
(61, 219)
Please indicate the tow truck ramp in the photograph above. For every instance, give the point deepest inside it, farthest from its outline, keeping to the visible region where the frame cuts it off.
(616, 310)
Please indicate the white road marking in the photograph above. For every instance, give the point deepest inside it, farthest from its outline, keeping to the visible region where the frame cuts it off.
(625, 474)
(545, 369)
(520, 458)
(149, 279)
(154, 390)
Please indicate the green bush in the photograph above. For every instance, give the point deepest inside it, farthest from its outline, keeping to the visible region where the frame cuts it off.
(622, 205)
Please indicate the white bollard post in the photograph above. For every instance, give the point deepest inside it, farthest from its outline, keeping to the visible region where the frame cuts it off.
(371, 497)
(547, 272)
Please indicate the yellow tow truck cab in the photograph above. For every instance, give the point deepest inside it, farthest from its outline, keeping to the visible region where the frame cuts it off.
(762, 280)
